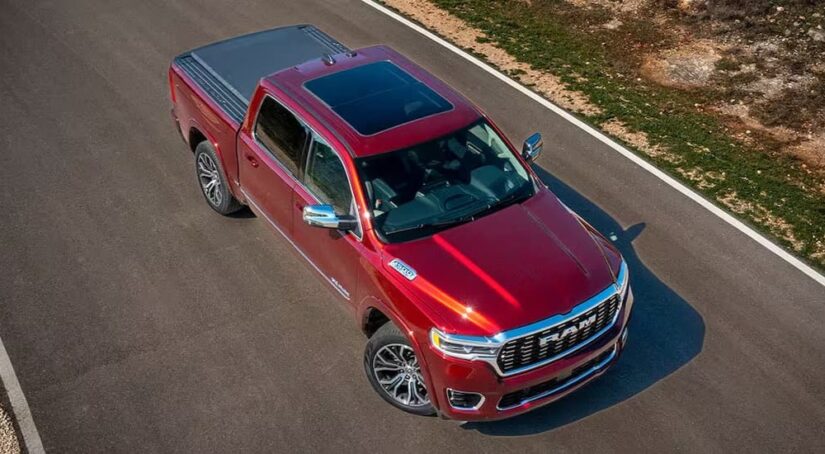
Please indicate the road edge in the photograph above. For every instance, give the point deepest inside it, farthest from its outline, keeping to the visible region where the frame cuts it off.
(650, 168)
(19, 410)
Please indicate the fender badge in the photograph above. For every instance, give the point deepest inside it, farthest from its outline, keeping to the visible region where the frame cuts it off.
(403, 269)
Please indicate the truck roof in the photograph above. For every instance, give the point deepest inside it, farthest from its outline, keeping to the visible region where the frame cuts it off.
(375, 99)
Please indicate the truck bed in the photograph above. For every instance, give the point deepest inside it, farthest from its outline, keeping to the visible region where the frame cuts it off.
(228, 71)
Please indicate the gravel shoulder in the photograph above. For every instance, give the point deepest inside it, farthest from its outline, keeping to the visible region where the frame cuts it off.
(9, 441)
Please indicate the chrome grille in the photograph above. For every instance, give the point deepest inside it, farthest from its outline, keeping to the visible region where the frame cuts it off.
(525, 351)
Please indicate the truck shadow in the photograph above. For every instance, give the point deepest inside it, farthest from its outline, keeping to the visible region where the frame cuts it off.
(243, 213)
(665, 334)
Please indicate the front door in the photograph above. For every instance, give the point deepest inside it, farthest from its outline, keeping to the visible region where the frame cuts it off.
(333, 252)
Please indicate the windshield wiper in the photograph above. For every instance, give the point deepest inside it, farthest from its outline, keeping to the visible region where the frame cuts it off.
(424, 225)
(512, 198)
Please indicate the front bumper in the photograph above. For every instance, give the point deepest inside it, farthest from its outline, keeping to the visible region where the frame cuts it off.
(504, 397)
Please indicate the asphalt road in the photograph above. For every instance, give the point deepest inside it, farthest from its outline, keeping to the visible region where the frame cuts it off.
(140, 321)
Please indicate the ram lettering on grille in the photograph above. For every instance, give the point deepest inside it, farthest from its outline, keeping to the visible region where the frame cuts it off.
(569, 331)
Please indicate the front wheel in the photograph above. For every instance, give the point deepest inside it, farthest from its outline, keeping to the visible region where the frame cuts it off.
(394, 371)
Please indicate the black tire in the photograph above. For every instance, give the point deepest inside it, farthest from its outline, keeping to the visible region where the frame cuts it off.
(218, 196)
(389, 337)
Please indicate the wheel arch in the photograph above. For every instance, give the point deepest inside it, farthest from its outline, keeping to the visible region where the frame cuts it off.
(374, 313)
(372, 319)
(195, 137)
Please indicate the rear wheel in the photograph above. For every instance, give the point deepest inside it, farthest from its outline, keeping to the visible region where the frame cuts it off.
(394, 371)
(211, 180)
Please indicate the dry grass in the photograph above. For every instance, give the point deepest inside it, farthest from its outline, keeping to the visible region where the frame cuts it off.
(626, 6)
(638, 140)
(777, 225)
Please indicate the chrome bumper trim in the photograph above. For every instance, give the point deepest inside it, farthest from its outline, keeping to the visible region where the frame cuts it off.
(568, 384)
(474, 408)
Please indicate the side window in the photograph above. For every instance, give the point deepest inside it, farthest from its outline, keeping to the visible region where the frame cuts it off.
(326, 178)
(281, 133)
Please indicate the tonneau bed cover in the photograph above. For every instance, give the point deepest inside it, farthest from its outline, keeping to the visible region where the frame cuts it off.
(229, 70)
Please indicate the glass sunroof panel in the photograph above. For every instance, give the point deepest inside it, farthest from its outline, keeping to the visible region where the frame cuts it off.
(377, 96)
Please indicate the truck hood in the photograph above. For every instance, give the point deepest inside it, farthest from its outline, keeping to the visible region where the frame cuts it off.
(516, 266)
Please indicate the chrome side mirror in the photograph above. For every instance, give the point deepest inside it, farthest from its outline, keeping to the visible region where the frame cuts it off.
(324, 216)
(532, 147)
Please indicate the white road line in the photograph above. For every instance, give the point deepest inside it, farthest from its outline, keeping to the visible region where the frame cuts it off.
(689, 193)
(19, 407)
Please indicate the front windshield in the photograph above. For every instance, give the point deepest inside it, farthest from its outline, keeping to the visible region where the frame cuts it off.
(432, 186)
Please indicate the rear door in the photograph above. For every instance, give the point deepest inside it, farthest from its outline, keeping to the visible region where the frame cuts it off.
(334, 253)
(270, 157)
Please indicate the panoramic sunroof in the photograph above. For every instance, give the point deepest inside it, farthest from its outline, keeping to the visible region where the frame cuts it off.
(377, 96)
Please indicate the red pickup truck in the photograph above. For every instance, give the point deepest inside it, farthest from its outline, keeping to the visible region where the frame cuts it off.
(482, 296)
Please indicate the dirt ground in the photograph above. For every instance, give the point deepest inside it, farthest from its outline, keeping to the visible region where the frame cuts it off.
(764, 61)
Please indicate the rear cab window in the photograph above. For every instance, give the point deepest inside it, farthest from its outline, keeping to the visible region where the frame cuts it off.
(281, 133)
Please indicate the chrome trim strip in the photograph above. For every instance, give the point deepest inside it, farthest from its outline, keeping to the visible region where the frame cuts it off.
(578, 379)
(259, 211)
(475, 408)
(499, 340)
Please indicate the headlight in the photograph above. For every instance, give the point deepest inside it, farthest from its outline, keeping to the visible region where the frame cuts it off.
(463, 347)
(623, 280)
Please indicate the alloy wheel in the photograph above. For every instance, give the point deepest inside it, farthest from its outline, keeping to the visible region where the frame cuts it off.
(210, 179)
(397, 370)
